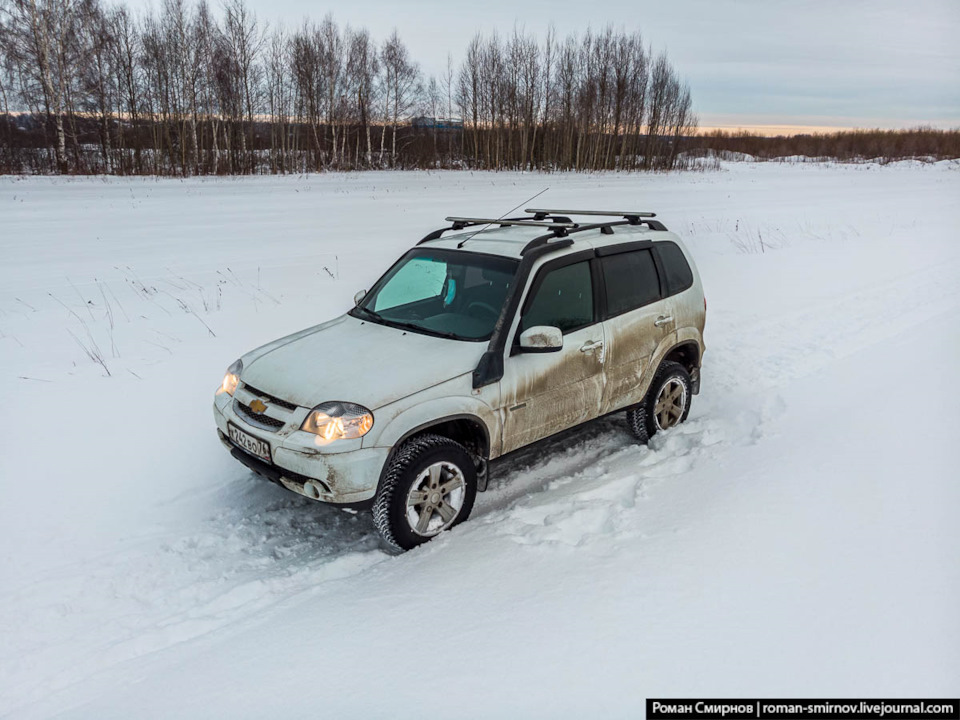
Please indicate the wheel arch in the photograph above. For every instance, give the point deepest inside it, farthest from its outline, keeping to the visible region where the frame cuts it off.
(466, 428)
(689, 354)
(686, 352)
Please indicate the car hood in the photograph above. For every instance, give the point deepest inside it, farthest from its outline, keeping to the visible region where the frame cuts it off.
(356, 361)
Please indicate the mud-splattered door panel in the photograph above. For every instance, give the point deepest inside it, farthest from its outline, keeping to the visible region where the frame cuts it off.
(544, 393)
(632, 339)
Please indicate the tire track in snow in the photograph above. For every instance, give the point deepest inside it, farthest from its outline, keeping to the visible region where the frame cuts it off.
(589, 491)
(265, 547)
(771, 352)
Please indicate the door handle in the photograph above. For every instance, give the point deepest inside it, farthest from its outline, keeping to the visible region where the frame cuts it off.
(663, 320)
(591, 346)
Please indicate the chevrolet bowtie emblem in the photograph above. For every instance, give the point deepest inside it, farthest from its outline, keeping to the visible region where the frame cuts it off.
(258, 406)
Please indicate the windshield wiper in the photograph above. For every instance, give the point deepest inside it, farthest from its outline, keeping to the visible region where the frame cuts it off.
(422, 329)
(401, 324)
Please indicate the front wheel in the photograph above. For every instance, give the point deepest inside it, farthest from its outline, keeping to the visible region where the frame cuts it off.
(666, 405)
(429, 486)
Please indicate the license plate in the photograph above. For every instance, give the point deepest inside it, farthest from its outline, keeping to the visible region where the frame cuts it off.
(245, 441)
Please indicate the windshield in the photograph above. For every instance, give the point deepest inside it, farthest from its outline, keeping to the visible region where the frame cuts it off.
(448, 293)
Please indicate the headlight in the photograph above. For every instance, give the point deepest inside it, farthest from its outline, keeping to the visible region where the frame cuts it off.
(338, 421)
(231, 379)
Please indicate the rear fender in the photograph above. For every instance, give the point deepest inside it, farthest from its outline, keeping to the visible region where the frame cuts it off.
(683, 336)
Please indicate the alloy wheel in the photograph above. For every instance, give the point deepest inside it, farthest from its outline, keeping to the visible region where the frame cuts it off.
(435, 498)
(671, 402)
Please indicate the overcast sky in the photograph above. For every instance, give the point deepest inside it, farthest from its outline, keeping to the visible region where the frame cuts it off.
(866, 63)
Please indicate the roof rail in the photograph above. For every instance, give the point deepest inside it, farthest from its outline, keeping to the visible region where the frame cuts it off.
(605, 227)
(632, 216)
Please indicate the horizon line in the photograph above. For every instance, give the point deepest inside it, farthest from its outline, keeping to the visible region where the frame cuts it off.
(788, 130)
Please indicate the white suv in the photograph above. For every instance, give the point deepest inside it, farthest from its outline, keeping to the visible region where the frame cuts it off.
(487, 336)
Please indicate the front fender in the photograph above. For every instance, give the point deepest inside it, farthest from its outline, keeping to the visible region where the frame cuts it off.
(401, 423)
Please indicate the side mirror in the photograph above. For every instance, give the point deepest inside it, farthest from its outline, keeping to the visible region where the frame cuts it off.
(361, 294)
(541, 339)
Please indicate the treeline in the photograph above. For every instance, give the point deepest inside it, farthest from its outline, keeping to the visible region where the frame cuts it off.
(91, 88)
(847, 145)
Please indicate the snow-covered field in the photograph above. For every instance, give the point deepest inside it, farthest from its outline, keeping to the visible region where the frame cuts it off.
(798, 536)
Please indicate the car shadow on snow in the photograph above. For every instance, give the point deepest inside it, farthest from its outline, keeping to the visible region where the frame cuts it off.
(531, 468)
(267, 521)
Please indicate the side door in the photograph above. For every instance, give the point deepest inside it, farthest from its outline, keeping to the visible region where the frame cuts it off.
(636, 320)
(546, 392)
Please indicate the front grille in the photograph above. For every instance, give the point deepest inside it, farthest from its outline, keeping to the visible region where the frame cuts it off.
(267, 397)
(265, 422)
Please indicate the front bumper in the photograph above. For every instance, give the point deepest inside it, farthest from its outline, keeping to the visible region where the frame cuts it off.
(298, 464)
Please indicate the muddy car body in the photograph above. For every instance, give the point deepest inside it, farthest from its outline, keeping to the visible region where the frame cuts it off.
(482, 339)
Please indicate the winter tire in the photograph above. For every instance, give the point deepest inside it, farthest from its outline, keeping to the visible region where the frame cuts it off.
(666, 404)
(429, 486)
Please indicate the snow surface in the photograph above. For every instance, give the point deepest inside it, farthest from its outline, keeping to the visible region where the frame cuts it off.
(797, 537)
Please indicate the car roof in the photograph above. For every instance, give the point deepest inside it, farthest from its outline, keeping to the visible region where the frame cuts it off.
(510, 241)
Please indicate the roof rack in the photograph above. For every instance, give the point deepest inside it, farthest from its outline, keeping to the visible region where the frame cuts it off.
(559, 224)
(633, 217)
(459, 223)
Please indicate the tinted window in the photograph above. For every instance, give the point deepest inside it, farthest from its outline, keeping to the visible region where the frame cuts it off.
(631, 280)
(678, 274)
(564, 299)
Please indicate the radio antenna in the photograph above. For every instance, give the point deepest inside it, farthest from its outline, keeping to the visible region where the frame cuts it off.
(470, 236)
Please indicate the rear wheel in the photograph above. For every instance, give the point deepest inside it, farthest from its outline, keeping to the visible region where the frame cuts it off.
(430, 486)
(666, 405)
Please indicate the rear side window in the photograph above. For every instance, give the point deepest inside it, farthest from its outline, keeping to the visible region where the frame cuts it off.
(678, 276)
(564, 299)
(631, 281)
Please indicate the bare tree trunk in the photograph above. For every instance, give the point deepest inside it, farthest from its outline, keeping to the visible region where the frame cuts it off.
(183, 92)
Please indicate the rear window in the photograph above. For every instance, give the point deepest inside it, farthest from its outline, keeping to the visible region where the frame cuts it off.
(631, 281)
(678, 275)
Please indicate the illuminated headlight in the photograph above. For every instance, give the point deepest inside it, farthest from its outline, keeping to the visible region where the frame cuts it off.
(338, 421)
(231, 379)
